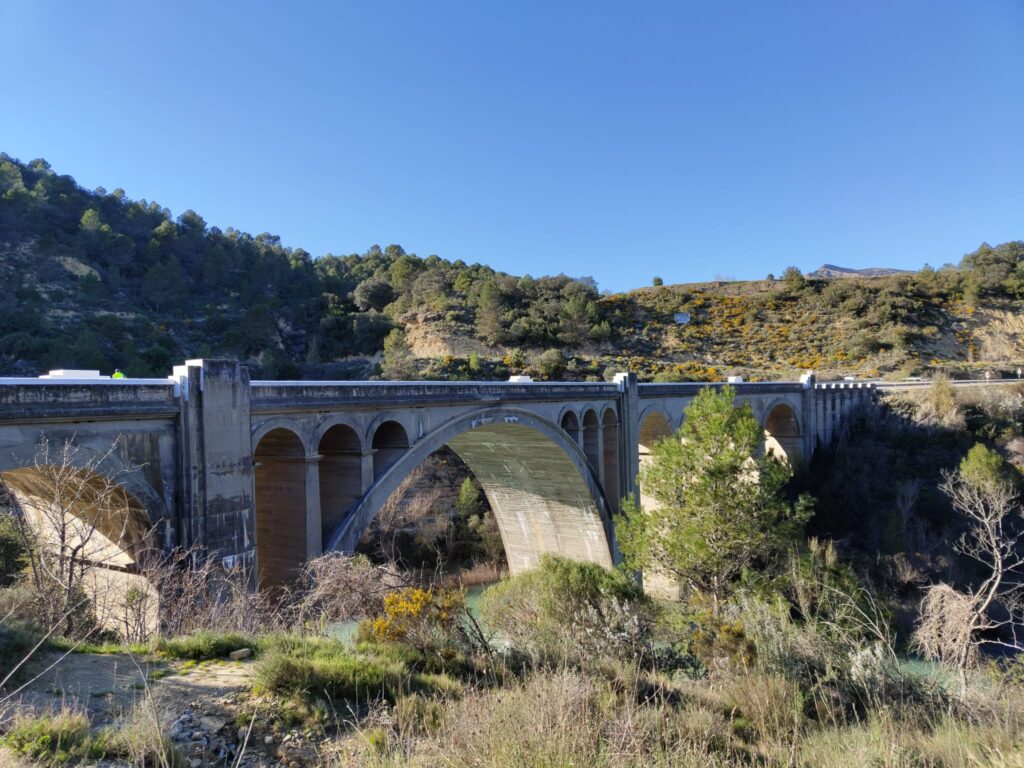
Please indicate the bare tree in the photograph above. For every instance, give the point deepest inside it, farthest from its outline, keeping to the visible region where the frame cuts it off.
(955, 624)
(75, 517)
(336, 587)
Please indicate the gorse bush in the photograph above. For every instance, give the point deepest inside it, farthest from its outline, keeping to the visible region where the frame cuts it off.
(425, 619)
(569, 611)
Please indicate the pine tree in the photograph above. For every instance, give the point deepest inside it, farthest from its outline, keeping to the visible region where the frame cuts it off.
(719, 502)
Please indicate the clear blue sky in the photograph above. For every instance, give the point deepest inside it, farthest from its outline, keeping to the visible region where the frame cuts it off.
(618, 140)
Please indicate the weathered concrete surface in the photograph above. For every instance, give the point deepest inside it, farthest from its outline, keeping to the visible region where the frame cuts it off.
(275, 472)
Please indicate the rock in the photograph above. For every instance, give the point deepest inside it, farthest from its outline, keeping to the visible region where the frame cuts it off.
(240, 735)
(268, 739)
(197, 735)
(195, 762)
(211, 723)
(241, 653)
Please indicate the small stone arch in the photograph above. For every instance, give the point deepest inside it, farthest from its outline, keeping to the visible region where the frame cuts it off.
(570, 423)
(538, 483)
(655, 425)
(332, 421)
(390, 441)
(279, 468)
(264, 428)
(782, 433)
(340, 471)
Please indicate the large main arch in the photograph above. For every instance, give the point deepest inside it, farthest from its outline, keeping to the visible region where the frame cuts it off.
(538, 481)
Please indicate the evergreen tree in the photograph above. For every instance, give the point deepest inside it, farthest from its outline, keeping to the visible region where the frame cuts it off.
(719, 503)
(398, 364)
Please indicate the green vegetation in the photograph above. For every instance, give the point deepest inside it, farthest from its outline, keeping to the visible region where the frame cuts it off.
(720, 509)
(803, 598)
(66, 737)
(315, 669)
(96, 280)
(202, 646)
(567, 612)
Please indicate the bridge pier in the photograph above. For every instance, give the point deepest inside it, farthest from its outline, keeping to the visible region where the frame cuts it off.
(314, 528)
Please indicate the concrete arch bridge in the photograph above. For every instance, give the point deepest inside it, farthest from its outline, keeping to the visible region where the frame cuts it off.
(270, 473)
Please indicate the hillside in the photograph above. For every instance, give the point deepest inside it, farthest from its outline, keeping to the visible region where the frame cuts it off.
(96, 280)
(828, 271)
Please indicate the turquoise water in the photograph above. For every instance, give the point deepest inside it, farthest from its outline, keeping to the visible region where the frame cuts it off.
(347, 630)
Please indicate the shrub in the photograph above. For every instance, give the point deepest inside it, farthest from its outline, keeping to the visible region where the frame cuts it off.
(566, 718)
(64, 737)
(565, 610)
(13, 555)
(424, 619)
(16, 643)
(772, 705)
(51, 739)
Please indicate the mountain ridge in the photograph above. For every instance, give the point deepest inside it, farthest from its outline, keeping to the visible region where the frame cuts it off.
(96, 280)
(830, 271)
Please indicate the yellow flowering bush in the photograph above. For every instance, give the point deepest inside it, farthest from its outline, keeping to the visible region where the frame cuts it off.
(421, 618)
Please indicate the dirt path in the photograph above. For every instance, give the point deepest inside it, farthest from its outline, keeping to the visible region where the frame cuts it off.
(200, 706)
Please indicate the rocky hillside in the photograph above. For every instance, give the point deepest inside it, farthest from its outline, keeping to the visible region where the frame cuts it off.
(831, 271)
(96, 280)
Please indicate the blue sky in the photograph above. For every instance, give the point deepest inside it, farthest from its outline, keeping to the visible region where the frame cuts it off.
(618, 140)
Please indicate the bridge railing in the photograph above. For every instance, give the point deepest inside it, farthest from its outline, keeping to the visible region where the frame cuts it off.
(691, 388)
(24, 398)
(272, 393)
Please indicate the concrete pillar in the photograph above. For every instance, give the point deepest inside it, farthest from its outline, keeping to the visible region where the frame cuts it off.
(367, 471)
(830, 398)
(629, 435)
(314, 532)
(215, 459)
(807, 417)
(599, 468)
(819, 424)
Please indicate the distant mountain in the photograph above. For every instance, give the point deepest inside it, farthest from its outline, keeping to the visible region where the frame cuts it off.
(830, 271)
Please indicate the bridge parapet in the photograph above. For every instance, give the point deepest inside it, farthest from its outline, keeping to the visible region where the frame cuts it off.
(273, 395)
(46, 399)
(744, 389)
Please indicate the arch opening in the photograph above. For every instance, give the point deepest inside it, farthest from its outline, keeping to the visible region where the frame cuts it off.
(95, 532)
(571, 425)
(537, 482)
(280, 483)
(390, 442)
(782, 434)
(437, 520)
(654, 426)
(341, 474)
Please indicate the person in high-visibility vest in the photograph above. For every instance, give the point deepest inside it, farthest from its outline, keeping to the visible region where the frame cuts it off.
(118, 374)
